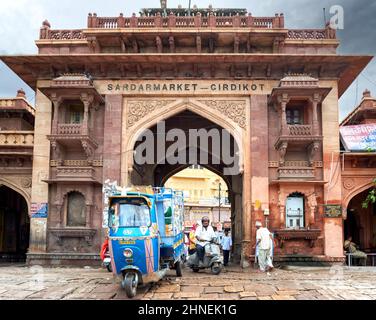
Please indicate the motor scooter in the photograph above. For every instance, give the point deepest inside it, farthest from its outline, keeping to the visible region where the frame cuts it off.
(212, 258)
(105, 256)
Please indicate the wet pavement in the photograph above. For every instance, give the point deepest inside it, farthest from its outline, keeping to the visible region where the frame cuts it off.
(296, 283)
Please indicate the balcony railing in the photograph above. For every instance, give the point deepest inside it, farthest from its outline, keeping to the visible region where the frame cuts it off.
(312, 34)
(69, 129)
(77, 163)
(175, 21)
(300, 130)
(16, 138)
(75, 173)
(296, 172)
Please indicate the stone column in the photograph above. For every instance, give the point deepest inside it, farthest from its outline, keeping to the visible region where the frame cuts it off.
(86, 100)
(283, 100)
(247, 201)
(236, 218)
(315, 122)
(112, 138)
(56, 103)
(333, 230)
(259, 161)
(282, 209)
(41, 165)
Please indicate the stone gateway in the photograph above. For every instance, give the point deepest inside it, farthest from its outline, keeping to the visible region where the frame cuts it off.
(274, 90)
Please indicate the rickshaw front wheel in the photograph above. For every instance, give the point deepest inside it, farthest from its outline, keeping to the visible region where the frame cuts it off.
(130, 283)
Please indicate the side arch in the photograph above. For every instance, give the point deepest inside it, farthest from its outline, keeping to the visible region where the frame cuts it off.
(19, 190)
(355, 192)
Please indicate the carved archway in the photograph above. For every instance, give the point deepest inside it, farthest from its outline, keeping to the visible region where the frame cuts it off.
(354, 193)
(168, 111)
(19, 190)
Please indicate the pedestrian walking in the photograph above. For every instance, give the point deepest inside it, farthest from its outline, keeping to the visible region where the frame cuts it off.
(226, 247)
(263, 237)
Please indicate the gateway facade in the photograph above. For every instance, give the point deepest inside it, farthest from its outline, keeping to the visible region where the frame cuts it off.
(274, 90)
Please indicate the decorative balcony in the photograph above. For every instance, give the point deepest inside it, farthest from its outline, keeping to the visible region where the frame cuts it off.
(66, 135)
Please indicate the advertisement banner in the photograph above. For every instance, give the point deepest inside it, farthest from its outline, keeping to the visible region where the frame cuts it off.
(360, 137)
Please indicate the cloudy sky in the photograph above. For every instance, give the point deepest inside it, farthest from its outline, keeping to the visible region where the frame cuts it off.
(21, 19)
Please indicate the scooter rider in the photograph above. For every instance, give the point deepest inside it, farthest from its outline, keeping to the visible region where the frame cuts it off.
(204, 234)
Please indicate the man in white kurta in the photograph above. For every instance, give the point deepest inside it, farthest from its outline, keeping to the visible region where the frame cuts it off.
(204, 234)
(263, 237)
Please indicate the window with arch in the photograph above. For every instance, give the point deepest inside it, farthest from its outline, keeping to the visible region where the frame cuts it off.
(76, 210)
(295, 211)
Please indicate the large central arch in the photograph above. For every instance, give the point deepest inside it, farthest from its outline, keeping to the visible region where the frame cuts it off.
(157, 173)
(173, 108)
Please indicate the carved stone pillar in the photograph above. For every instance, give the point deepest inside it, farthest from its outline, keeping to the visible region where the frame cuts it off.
(85, 119)
(159, 44)
(86, 100)
(56, 103)
(59, 206)
(312, 203)
(283, 100)
(315, 122)
(282, 209)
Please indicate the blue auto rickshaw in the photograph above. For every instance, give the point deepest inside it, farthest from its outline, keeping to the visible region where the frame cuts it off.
(146, 235)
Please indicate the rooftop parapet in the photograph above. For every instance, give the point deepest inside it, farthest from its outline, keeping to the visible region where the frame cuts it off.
(175, 21)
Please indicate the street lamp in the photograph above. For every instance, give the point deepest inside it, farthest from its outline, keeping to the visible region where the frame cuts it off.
(164, 6)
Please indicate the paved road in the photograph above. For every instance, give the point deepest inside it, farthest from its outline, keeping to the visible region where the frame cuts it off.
(339, 283)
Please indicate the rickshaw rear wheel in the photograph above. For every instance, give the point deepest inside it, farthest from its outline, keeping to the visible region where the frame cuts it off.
(130, 284)
(178, 268)
(109, 268)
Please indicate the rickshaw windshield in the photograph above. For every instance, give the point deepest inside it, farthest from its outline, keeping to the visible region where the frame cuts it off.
(133, 212)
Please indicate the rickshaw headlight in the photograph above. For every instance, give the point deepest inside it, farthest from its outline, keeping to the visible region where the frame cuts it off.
(128, 253)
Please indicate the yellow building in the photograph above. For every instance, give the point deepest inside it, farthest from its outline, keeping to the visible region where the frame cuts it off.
(199, 184)
(201, 195)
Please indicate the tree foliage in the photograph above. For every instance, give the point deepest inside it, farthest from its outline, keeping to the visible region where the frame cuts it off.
(371, 197)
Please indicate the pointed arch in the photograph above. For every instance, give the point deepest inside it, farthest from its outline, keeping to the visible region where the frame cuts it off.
(15, 188)
(355, 192)
(173, 109)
